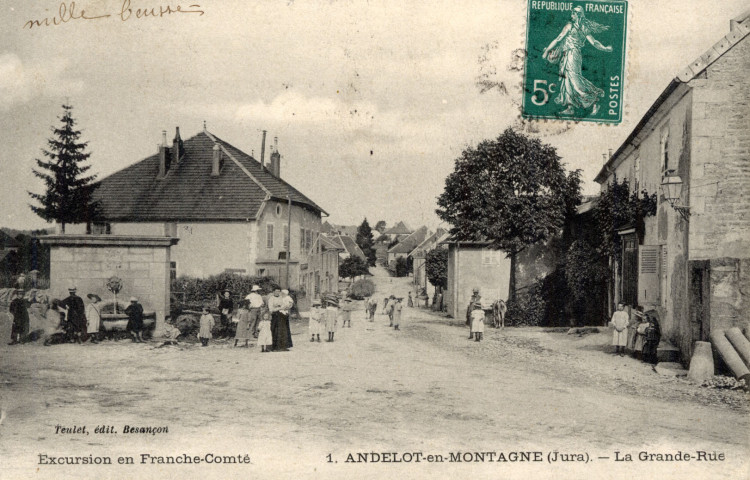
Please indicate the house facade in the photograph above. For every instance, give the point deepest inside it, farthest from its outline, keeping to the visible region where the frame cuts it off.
(691, 260)
(474, 265)
(419, 254)
(229, 212)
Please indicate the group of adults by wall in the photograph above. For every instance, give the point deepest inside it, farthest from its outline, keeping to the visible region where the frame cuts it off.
(69, 320)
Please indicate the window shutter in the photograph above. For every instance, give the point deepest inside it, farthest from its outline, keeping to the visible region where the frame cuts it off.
(649, 260)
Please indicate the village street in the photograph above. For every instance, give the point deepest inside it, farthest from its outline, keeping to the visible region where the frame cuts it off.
(424, 389)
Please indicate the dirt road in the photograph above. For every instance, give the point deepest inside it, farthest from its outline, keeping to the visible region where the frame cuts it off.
(425, 390)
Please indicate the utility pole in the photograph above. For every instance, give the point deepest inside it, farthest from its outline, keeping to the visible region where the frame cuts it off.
(289, 234)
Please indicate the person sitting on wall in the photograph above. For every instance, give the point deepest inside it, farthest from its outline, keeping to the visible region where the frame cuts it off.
(134, 312)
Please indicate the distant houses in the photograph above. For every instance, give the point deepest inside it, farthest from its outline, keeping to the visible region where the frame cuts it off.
(419, 254)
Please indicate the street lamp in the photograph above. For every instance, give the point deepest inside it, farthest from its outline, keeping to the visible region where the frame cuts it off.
(671, 187)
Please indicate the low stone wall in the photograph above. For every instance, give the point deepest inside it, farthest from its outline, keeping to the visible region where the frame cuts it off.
(89, 261)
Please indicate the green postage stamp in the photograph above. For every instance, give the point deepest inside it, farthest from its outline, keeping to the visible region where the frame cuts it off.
(575, 60)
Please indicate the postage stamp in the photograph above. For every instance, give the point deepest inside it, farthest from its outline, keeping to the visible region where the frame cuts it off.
(575, 61)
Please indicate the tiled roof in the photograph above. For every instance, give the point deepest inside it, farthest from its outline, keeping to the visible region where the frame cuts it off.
(188, 192)
(407, 244)
(7, 241)
(399, 228)
(351, 246)
(330, 244)
(428, 243)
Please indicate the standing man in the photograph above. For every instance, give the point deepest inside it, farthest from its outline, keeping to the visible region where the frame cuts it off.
(20, 327)
(93, 317)
(255, 303)
(373, 305)
(475, 299)
(389, 309)
(76, 314)
(620, 321)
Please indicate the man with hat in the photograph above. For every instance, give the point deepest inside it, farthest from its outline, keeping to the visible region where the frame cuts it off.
(20, 327)
(475, 299)
(255, 304)
(134, 312)
(93, 317)
(76, 314)
(226, 305)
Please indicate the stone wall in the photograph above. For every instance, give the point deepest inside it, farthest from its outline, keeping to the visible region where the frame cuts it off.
(88, 261)
(720, 170)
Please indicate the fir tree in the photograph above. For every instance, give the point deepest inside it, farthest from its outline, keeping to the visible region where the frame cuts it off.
(365, 242)
(68, 198)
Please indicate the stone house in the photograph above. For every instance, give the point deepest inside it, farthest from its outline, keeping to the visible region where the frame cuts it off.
(419, 254)
(227, 211)
(474, 264)
(407, 244)
(692, 260)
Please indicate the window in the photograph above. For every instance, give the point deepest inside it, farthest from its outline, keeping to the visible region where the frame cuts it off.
(308, 240)
(664, 145)
(302, 240)
(100, 228)
(172, 270)
(269, 235)
(286, 237)
(492, 257)
(278, 210)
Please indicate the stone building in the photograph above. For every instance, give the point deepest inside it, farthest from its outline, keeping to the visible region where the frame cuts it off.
(474, 265)
(692, 147)
(229, 213)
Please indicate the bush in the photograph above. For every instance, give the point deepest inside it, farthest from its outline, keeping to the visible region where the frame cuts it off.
(190, 293)
(361, 289)
(528, 309)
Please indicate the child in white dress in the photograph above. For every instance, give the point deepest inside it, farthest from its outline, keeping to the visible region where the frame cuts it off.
(315, 317)
(477, 322)
(265, 340)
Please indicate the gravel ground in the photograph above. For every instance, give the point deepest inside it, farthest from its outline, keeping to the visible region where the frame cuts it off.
(424, 389)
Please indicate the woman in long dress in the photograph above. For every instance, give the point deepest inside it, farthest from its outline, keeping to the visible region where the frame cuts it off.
(243, 331)
(575, 90)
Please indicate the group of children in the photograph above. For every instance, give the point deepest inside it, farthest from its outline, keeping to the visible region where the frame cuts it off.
(324, 317)
(640, 333)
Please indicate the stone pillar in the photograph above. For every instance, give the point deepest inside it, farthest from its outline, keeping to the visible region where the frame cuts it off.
(88, 261)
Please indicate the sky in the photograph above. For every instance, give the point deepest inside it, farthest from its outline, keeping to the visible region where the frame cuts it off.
(371, 101)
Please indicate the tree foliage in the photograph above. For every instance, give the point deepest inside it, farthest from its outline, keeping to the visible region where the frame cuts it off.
(365, 241)
(436, 267)
(620, 208)
(68, 194)
(512, 191)
(353, 266)
(380, 226)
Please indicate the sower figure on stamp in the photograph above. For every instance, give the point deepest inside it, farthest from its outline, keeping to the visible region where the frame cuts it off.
(576, 91)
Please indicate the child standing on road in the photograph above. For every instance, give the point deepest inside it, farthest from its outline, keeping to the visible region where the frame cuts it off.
(315, 317)
(396, 312)
(477, 322)
(346, 314)
(332, 313)
(265, 339)
(207, 324)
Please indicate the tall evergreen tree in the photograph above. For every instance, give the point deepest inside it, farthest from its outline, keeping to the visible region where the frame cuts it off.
(68, 195)
(365, 241)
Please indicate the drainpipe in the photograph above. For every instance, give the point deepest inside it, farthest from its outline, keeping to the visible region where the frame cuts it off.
(455, 282)
(289, 235)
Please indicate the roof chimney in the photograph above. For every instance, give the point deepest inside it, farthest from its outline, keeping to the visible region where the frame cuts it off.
(276, 158)
(164, 157)
(217, 161)
(263, 150)
(604, 157)
(178, 150)
(610, 153)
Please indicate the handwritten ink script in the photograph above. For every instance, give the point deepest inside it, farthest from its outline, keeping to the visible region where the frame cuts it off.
(68, 12)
